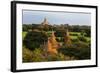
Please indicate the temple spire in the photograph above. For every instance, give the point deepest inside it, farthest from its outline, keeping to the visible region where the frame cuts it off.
(67, 39)
(45, 22)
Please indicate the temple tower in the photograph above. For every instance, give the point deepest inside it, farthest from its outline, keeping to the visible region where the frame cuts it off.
(45, 22)
(67, 39)
(52, 44)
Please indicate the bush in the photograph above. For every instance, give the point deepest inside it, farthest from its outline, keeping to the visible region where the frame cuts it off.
(80, 45)
(85, 53)
(73, 34)
(27, 55)
(39, 55)
(82, 38)
(56, 57)
(79, 50)
(34, 39)
(75, 40)
(60, 33)
(60, 39)
(69, 51)
(88, 32)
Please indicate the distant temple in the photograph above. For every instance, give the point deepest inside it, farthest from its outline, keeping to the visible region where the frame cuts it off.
(67, 39)
(45, 22)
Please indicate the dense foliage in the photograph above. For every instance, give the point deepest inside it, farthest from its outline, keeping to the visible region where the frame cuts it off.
(36, 36)
(72, 28)
(34, 39)
(80, 50)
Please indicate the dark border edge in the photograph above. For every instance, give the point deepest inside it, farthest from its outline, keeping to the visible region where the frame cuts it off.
(13, 36)
(97, 36)
(57, 68)
(54, 4)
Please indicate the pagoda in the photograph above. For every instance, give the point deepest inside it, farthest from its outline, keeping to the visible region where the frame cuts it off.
(45, 22)
(67, 39)
(52, 44)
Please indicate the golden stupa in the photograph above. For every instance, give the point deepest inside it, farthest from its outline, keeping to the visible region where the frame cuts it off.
(52, 44)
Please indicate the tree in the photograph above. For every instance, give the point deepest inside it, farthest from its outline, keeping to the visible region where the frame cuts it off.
(88, 32)
(60, 33)
(69, 51)
(34, 39)
(76, 28)
(82, 36)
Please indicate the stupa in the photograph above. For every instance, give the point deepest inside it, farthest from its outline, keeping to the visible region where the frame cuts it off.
(45, 22)
(52, 44)
(67, 39)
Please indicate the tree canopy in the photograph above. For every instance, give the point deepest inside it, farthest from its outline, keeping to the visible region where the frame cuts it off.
(34, 39)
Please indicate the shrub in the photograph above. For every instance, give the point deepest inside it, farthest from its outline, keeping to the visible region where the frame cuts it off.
(71, 51)
(79, 50)
(39, 55)
(56, 57)
(82, 38)
(85, 53)
(84, 50)
(80, 45)
(60, 33)
(88, 32)
(73, 34)
(75, 40)
(27, 55)
(60, 39)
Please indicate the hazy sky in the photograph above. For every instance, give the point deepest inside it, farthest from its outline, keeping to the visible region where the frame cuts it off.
(37, 17)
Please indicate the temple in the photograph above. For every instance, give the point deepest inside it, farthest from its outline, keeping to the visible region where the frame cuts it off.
(52, 45)
(45, 22)
(67, 39)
